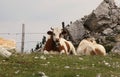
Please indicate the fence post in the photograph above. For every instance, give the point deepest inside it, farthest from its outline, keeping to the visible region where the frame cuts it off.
(23, 38)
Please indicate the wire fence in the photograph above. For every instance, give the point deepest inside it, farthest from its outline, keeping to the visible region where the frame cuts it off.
(29, 41)
(19, 33)
(31, 38)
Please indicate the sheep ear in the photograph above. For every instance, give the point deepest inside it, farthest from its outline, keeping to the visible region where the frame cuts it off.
(50, 33)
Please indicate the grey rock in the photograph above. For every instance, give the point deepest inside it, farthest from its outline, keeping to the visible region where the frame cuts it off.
(118, 27)
(42, 74)
(107, 31)
(103, 16)
(77, 31)
(103, 24)
(4, 52)
(102, 9)
(116, 48)
(113, 25)
(117, 38)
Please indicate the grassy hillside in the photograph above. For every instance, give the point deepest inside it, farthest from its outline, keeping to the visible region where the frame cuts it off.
(60, 66)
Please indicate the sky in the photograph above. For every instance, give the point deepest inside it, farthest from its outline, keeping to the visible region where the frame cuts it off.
(39, 15)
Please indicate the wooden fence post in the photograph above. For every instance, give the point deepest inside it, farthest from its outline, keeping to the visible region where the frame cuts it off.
(23, 38)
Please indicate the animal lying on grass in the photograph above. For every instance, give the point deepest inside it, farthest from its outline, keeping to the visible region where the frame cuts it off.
(58, 44)
(90, 47)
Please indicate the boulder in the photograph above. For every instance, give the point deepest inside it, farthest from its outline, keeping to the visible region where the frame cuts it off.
(116, 48)
(108, 31)
(4, 52)
(99, 17)
(117, 38)
(118, 27)
(105, 15)
(76, 31)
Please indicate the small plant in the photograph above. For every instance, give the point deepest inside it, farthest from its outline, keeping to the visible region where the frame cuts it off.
(37, 46)
(118, 31)
(110, 38)
(43, 40)
(108, 48)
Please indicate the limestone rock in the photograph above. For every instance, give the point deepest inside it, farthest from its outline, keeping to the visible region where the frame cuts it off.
(103, 24)
(76, 30)
(107, 31)
(118, 27)
(4, 52)
(116, 48)
(117, 38)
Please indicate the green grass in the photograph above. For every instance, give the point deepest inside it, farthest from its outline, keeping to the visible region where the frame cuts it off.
(60, 66)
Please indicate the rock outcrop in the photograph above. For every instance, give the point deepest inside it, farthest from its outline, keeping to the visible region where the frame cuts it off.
(103, 24)
(77, 31)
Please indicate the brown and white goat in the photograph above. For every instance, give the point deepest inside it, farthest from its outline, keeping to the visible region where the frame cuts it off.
(58, 44)
(90, 47)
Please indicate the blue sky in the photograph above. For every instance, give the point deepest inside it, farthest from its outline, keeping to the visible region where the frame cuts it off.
(39, 15)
